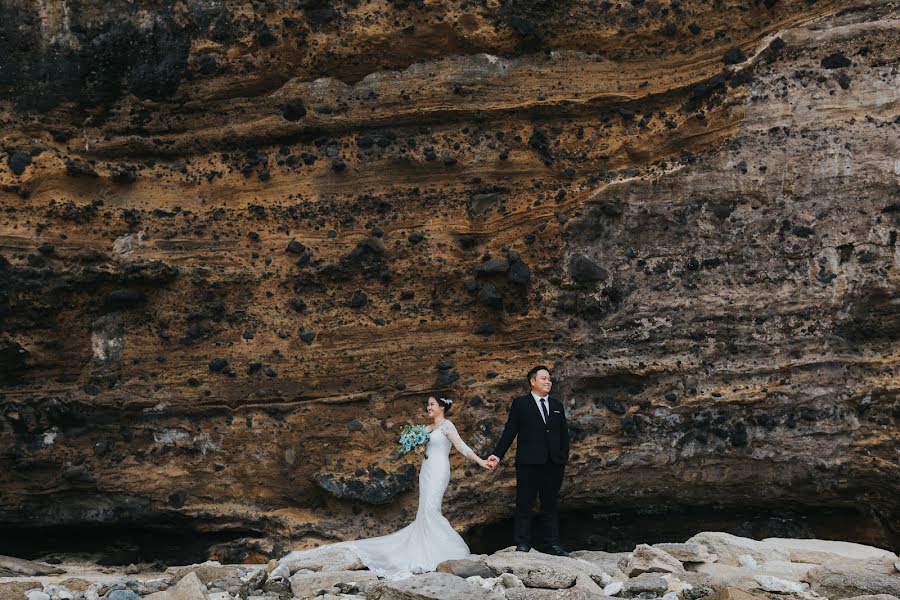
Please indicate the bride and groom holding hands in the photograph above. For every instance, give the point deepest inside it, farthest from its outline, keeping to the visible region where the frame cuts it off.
(539, 423)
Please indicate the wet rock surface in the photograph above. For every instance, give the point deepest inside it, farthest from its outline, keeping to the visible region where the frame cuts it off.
(221, 244)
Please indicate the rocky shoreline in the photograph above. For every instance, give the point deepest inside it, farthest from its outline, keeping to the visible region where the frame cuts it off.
(709, 565)
(236, 233)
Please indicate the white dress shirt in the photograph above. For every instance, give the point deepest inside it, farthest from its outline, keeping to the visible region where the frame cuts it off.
(537, 401)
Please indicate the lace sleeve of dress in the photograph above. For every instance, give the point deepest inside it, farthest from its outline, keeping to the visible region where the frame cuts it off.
(453, 436)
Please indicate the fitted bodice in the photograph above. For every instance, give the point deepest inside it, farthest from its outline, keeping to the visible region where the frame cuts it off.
(442, 437)
(438, 443)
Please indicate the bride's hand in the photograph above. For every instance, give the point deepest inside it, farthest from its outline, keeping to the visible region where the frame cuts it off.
(420, 449)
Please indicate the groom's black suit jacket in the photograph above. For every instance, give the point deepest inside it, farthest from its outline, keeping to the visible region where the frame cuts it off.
(537, 442)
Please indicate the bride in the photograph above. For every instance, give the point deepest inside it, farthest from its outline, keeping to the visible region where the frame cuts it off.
(430, 539)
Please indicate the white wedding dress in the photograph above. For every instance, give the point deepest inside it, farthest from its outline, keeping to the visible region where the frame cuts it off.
(430, 539)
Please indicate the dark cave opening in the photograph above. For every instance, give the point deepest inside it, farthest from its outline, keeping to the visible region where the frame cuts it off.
(604, 528)
(126, 542)
(621, 529)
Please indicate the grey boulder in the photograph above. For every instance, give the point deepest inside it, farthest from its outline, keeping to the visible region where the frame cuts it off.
(539, 570)
(837, 582)
(430, 586)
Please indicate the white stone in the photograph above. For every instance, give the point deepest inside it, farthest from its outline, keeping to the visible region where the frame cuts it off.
(747, 561)
(647, 559)
(539, 570)
(670, 596)
(781, 586)
(506, 581)
(608, 562)
(324, 558)
(188, 587)
(587, 585)
(687, 552)
(722, 575)
(280, 572)
(487, 584)
(804, 550)
(850, 579)
(510, 581)
(676, 585)
(728, 547)
(786, 570)
(647, 582)
(499, 585)
(58, 591)
(613, 588)
(219, 596)
(254, 577)
(430, 586)
(307, 584)
(37, 595)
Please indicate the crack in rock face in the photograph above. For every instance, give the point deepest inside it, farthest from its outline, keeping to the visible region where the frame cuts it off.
(234, 265)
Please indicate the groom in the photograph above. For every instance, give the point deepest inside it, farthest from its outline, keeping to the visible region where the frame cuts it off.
(543, 449)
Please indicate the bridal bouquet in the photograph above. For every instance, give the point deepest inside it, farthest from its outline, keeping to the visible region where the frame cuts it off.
(411, 437)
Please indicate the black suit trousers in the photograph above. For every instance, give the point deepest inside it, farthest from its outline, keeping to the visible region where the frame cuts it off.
(533, 481)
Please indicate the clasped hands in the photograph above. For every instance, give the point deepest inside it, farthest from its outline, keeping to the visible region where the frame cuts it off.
(489, 463)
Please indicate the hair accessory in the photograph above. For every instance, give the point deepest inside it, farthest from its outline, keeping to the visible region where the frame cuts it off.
(446, 400)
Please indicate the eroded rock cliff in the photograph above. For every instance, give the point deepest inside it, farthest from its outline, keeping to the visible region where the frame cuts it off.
(242, 242)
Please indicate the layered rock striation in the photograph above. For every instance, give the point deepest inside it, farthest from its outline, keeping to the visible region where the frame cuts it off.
(241, 243)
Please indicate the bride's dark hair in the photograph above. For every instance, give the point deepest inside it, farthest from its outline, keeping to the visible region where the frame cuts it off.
(448, 407)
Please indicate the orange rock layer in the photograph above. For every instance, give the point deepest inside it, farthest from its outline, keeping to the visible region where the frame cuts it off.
(241, 244)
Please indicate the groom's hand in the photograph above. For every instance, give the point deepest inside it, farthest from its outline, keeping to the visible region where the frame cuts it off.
(492, 462)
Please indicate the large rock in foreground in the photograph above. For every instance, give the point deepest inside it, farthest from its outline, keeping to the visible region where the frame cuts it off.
(188, 587)
(538, 570)
(611, 563)
(15, 567)
(307, 585)
(648, 559)
(323, 558)
(837, 581)
(729, 549)
(430, 586)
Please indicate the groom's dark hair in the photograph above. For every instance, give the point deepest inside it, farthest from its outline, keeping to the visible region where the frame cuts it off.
(534, 371)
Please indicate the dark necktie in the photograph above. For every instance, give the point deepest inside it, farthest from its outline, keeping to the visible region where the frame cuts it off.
(544, 410)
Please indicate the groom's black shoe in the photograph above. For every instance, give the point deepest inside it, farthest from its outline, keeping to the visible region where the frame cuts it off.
(523, 548)
(557, 550)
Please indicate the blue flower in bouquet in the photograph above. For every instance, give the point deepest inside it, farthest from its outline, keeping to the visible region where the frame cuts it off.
(412, 437)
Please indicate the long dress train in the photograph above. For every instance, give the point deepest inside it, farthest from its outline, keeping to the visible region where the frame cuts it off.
(430, 539)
